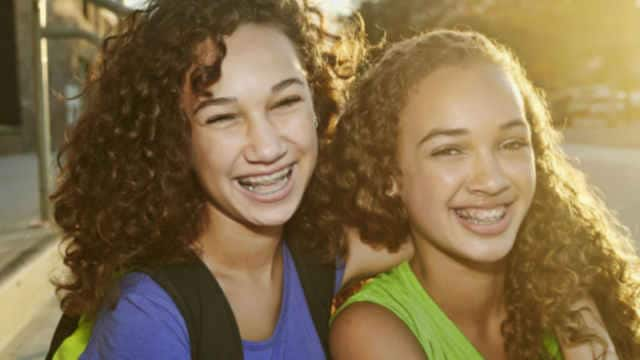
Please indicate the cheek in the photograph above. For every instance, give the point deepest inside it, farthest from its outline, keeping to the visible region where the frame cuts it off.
(522, 171)
(300, 131)
(430, 187)
(210, 153)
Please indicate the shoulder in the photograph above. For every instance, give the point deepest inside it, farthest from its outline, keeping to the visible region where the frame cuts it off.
(388, 290)
(139, 293)
(354, 328)
(363, 261)
(145, 323)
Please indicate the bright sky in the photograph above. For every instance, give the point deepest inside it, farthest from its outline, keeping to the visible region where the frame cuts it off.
(330, 6)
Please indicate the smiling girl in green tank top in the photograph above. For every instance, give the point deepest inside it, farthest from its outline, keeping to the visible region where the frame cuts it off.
(446, 144)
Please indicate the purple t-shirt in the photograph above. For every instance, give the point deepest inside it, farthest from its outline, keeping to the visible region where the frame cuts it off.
(146, 324)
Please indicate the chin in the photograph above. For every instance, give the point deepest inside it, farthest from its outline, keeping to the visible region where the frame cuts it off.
(485, 251)
(274, 217)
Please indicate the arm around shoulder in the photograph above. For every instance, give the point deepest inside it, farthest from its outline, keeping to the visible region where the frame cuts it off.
(363, 260)
(369, 331)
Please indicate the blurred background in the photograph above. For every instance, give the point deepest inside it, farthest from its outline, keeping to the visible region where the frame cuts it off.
(585, 54)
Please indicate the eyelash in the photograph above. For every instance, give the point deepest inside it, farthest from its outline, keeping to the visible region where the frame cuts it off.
(220, 118)
(288, 101)
(449, 151)
(515, 145)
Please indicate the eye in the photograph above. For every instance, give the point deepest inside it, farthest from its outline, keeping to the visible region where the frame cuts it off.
(217, 119)
(514, 145)
(447, 151)
(287, 102)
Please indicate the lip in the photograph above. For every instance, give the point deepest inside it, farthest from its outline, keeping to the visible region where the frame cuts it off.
(265, 172)
(272, 197)
(489, 229)
(491, 205)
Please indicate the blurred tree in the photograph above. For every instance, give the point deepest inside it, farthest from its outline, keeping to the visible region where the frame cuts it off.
(562, 43)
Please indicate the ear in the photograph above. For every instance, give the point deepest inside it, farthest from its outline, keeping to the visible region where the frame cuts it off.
(393, 189)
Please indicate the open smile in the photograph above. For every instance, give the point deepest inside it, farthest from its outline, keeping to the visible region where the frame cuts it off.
(484, 221)
(268, 187)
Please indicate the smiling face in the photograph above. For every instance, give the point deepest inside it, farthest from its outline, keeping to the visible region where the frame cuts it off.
(254, 145)
(468, 174)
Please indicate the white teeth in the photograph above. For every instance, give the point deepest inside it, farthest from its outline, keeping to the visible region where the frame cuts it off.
(267, 184)
(482, 216)
(265, 179)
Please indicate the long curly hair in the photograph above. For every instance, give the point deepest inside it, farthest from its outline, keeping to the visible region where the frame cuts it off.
(569, 244)
(127, 196)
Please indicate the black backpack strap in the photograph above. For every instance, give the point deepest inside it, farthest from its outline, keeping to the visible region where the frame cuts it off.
(318, 282)
(213, 331)
(66, 326)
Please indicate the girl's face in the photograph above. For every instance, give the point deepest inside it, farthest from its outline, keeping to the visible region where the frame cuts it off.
(254, 145)
(467, 164)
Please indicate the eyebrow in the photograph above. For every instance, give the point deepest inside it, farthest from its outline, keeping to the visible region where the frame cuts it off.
(213, 101)
(229, 100)
(442, 132)
(286, 83)
(518, 122)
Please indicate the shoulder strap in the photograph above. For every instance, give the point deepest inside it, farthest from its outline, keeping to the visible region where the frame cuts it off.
(213, 331)
(318, 282)
(66, 326)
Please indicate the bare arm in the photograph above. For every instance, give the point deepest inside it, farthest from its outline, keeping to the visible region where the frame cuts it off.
(369, 331)
(362, 260)
(591, 349)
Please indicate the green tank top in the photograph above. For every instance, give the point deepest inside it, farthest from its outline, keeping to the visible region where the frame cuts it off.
(400, 292)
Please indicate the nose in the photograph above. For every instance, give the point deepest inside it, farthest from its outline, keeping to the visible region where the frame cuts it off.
(488, 177)
(265, 144)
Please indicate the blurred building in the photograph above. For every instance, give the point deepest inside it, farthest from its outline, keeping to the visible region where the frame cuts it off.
(69, 61)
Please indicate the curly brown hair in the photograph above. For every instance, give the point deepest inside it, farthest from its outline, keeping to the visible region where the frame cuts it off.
(127, 196)
(569, 244)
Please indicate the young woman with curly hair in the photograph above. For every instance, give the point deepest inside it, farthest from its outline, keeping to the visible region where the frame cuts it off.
(446, 144)
(199, 138)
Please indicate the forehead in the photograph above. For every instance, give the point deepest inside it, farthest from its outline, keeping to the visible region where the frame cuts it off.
(258, 56)
(467, 96)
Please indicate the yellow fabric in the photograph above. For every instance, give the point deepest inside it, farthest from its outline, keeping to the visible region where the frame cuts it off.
(73, 346)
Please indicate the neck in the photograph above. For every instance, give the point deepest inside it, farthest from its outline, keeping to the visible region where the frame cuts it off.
(230, 247)
(477, 298)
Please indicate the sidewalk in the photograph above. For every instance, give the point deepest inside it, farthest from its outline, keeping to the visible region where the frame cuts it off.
(28, 307)
(18, 192)
(33, 341)
(28, 258)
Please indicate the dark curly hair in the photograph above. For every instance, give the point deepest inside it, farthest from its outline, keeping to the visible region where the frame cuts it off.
(569, 244)
(127, 196)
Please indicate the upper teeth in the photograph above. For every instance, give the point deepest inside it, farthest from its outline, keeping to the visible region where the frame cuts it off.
(482, 215)
(264, 179)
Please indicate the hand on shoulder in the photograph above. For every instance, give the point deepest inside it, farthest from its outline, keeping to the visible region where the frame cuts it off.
(589, 350)
(362, 260)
